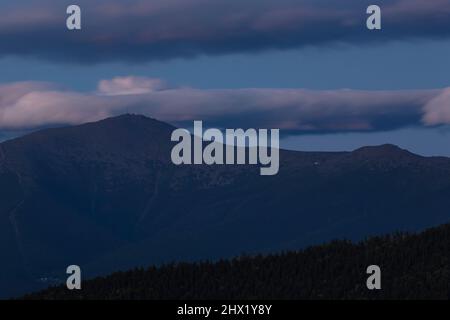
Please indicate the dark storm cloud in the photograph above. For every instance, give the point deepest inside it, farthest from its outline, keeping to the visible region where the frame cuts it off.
(138, 30)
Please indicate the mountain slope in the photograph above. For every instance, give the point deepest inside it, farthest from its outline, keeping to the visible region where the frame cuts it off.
(106, 196)
(412, 267)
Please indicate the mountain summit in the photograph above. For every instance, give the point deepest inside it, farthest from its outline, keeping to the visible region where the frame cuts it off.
(385, 150)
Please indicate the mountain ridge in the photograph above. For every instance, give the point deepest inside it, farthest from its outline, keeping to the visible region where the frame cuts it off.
(386, 148)
(106, 196)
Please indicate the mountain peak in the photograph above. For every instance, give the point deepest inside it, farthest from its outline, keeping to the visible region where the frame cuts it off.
(128, 135)
(131, 118)
(389, 150)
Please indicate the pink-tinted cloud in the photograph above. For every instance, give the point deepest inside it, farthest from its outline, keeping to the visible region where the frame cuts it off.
(437, 110)
(130, 85)
(31, 104)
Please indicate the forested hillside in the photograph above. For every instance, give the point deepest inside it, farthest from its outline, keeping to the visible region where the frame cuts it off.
(413, 266)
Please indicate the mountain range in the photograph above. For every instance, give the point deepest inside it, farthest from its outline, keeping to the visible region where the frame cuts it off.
(106, 196)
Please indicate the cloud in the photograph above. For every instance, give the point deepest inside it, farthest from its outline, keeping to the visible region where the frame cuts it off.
(437, 110)
(130, 85)
(31, 105)
(141, 30)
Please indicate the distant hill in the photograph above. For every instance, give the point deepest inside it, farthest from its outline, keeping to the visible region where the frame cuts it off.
(412, 267)
(106, 196)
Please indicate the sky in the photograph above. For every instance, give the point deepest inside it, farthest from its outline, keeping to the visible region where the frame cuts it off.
(310, 68)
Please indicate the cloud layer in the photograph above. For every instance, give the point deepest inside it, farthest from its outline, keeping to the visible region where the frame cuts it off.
(143, 30)
(29, 105)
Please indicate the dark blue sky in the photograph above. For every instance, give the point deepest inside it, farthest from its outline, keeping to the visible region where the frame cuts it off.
(390, 66)
(296, 45)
